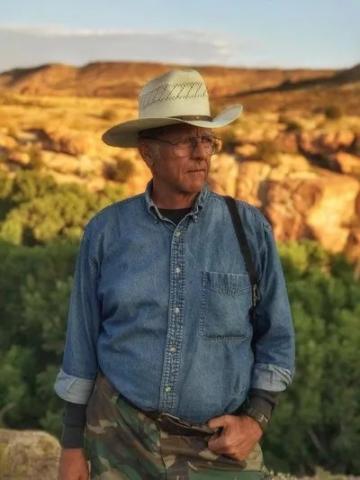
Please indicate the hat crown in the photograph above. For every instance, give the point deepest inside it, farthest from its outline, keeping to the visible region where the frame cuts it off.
(173, 94)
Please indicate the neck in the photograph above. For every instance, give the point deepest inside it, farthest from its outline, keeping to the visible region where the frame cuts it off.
(165, 197)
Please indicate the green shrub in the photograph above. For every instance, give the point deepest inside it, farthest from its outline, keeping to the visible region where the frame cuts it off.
(35, 157)
(35, 285)
(120, 171)
(292, 125)
(318, 419)
(110, 114)
(333, 112)
(36, 210)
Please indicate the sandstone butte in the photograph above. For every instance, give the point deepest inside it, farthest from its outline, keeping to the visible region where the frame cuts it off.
(295, 153)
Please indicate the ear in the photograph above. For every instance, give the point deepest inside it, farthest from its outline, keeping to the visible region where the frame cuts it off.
(146, 153)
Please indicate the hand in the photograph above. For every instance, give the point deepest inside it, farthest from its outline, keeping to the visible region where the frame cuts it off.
(237, 438)
(73, 465)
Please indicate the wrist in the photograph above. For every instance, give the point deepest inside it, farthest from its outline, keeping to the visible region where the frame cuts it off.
(256, 415)
(260, 405)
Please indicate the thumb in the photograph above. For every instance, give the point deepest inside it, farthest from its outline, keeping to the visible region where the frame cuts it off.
(217, 422)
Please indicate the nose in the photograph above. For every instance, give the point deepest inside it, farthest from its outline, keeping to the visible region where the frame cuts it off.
(199, 149)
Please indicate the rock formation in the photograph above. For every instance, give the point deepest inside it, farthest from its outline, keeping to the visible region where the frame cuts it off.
(27, 454)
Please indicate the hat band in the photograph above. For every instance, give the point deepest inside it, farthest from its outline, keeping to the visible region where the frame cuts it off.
(193, 117)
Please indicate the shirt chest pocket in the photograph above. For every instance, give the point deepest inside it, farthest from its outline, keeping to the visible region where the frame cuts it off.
(225, 305)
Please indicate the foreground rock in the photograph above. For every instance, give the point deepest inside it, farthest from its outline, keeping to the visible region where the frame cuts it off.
(30, 455)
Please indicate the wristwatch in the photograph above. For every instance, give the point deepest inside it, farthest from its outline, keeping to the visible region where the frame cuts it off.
(258, 416)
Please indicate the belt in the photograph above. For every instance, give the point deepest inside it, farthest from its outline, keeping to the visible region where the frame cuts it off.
(167, 422)
(176, 426)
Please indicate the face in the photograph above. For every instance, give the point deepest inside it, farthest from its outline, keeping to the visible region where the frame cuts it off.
(184, 174)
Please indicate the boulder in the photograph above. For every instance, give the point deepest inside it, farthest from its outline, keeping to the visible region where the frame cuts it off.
(247, 150)
(60, 162)
(7, 142)
(286, 142)
(224, 173)
(319, 142)
(346, 163)
(286, 215)
(27, 454)
(251, 176)
(20, 158)
(286, 164)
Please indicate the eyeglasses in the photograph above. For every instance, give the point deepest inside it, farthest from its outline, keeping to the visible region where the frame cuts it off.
(182, 148)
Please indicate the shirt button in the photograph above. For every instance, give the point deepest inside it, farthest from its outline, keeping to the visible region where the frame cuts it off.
(177, 270)
(172, 349)
(177, 310)
(167, 388)
(178, 233)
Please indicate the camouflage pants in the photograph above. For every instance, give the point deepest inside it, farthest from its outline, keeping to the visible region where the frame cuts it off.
(121, 442)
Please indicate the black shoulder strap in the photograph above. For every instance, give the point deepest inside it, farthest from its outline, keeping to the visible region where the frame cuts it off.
(244, 248)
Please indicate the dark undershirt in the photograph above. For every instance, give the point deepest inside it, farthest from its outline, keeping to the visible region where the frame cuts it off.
(74, 415)
(174, 214)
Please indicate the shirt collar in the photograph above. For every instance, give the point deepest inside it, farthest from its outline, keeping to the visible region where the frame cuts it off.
(197, 207)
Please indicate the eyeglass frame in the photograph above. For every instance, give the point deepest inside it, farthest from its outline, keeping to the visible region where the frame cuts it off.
(194, 145)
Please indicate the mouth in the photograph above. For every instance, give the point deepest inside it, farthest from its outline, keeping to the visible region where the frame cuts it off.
(197, 171)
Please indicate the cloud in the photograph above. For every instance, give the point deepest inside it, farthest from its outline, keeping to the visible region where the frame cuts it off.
(23, 46)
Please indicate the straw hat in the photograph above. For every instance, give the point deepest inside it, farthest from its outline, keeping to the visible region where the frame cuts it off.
(179, 96)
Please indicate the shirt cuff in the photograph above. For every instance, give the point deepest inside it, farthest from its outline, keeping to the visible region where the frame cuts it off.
(73, 389)
(266, 376)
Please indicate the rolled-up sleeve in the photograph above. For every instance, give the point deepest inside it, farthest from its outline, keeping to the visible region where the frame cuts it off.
(274, 349)
(76, 377)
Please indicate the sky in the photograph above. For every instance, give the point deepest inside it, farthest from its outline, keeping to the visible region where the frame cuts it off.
(253, 33)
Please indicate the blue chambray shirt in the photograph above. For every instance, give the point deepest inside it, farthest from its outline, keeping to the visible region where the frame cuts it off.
(163, 310)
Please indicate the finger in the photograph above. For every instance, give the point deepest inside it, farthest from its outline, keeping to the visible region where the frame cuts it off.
(225, 450)
(219, 442)
(218, 422)
(231, 451)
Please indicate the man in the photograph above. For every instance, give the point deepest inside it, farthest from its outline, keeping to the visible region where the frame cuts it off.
(159, 346)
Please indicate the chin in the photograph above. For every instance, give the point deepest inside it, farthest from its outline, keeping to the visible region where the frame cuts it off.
(197, 183)
(194, 187)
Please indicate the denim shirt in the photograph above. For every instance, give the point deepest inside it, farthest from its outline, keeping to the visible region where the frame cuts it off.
(163, 309)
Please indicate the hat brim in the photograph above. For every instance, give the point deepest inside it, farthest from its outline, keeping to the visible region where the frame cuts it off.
(126, 134)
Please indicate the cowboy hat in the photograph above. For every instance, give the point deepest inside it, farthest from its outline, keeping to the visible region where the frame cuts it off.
(178, 96)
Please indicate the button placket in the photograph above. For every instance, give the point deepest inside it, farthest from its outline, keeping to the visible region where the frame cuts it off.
(174, 338)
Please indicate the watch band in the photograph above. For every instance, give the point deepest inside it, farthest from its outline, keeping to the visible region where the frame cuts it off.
(258, 416)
